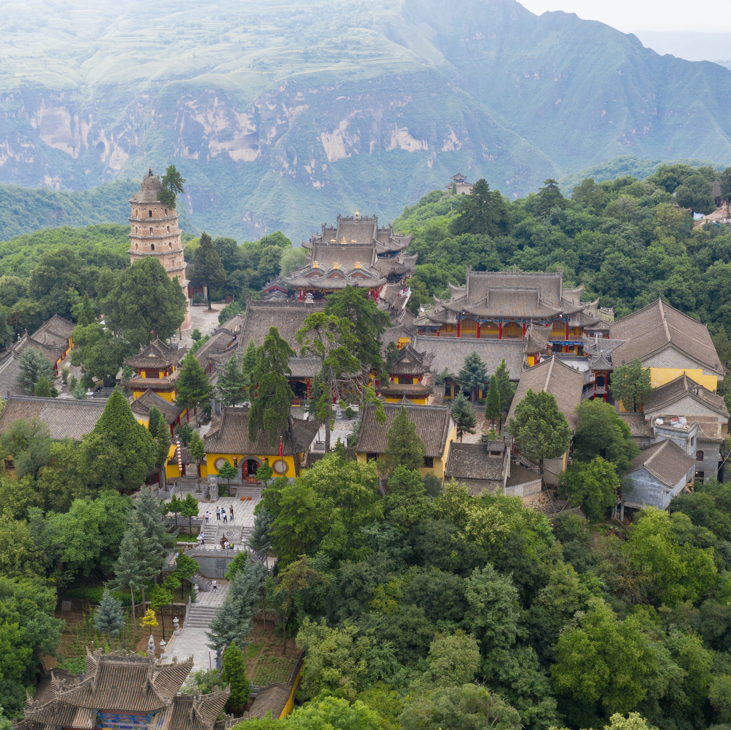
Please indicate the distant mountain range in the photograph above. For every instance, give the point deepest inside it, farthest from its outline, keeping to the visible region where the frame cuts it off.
(283, 114)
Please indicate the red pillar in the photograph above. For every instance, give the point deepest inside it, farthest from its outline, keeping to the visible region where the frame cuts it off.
(500, 330)
(459, 323)
(567, 329)
(478, 329)
(523, 329)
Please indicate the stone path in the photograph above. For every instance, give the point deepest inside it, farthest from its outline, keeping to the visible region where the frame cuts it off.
(243, 518)
(192, 640)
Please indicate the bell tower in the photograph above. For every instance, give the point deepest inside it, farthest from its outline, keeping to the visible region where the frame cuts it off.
(154, 232)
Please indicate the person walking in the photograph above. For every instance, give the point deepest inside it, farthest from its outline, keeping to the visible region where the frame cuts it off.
(218, 513)
(231, 510)
(225, 517)
(215, 586)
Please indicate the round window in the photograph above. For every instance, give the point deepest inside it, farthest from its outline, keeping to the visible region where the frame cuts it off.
(219, 463)
(280, 466)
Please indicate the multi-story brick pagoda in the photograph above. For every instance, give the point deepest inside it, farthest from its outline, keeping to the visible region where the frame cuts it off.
(154, 232)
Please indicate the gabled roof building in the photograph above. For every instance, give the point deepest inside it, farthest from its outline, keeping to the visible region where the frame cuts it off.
(504, 304)
(156, 368)
(356, 252)
(122, 689)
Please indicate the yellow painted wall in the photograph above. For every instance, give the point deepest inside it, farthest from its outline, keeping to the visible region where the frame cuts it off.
(290, 702)
(210, 464)
(168, 395)
(403, 341)
(415, 401)
(440, 463)
(660, 376)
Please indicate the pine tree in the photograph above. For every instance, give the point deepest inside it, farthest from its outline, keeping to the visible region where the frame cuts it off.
(172, 185)
(482, 212)
(260, 539)
(248, 362)
(540, 430)
(33, 365)
(175, 505)
(548, 198)
(270, 395)
(463, 415)
(192, 388)
(234, 675)
(185, 568)
(208, 270)
(119, 452)
(232, 386)
(42, 389)
(109, 618)
(506, 388)
(404, 447)
(154, 420)
(132, 568)
(189, 509)
(233, 619)
(493, 411)
(473, 375)
(151, 511)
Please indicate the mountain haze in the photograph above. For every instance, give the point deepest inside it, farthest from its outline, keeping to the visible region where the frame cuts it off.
(281, 115)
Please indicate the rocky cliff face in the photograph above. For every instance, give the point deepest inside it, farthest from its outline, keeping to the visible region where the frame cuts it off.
(287, 115)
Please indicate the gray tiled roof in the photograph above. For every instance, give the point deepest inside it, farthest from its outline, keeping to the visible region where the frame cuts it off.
(511, 303)
(472, 461)
(665, 460)
(450, 353)
(54, 333)
(65, 418)
(657, 326)
(149, 399)
(156, 355)
(520, 475)
(549, 284)
(272, 699)
(232, 436)
(663, 399)
(638, 426)
(287, 317)
(9, 371)
(410, 362)
(433, 424)
(327, 254)
(557, 378)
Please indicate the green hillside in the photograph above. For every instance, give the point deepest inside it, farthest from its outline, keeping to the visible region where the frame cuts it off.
(282, 115)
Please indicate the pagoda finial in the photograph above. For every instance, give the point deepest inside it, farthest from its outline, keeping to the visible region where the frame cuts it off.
(357, 214)
(344, 241)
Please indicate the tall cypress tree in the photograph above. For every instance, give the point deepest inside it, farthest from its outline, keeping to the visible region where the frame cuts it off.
(119, 452)
(482, 212)
(234, 675)
(506, 388)
(404, 446)
(151, 511)
(193, 388)
(493, 411)
(248, 362)
(270, 395)
(473, 374)
(208, 270)
(232, 387)
(233, 619)
(463, 415)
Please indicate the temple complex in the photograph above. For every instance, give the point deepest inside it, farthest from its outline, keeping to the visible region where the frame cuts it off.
(154, 232)
(156, 368)
(516, 305)
(123, 690)
(356, 252)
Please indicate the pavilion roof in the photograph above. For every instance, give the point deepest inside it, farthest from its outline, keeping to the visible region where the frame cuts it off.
(156, 355)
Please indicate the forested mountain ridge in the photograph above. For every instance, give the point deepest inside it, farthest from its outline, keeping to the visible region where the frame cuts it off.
(282, 115)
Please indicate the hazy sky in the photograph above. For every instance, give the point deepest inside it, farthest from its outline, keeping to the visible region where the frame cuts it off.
(634, 15)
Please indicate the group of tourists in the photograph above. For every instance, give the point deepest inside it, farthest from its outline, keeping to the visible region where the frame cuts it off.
(221, 514)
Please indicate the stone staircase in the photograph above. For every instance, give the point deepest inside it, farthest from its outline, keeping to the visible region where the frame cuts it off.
(201, 613)
(201, 582)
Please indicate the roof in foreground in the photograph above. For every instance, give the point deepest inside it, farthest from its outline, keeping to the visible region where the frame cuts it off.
(473, 461)
(666, 461)
(232, 436)
(555, 377)
(65, 417)
(663, 399)
(657, 326)
(433, 424)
